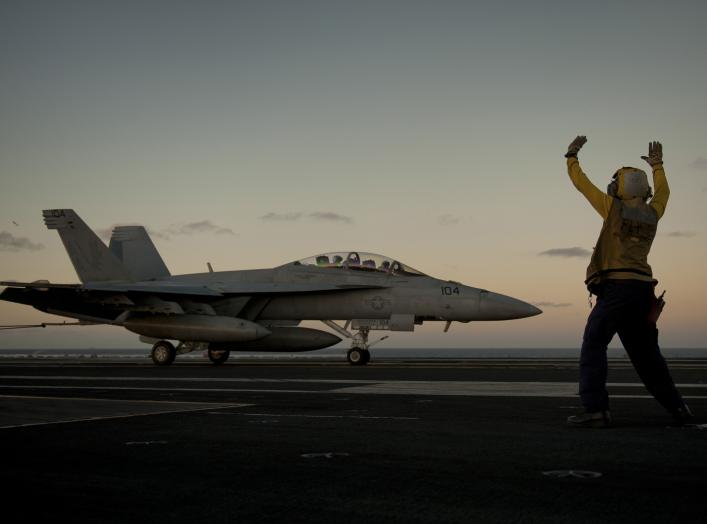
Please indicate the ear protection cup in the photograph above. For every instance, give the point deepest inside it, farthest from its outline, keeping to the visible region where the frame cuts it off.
(613, 188)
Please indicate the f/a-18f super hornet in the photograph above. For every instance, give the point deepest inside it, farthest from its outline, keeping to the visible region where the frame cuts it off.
(127, 284)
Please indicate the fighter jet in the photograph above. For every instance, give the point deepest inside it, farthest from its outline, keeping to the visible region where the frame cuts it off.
(128, 284)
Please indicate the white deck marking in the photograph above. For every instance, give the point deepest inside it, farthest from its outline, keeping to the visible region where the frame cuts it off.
(35, 397)
(357, 386)
(458, 388)
(296, 415)
(175, 390)
(196, 406)
(186, 379)
(308, 380)
(490, 389)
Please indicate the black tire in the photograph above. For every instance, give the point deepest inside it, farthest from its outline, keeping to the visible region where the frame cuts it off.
(366, 357)
(357, 357)
(163, 353)
(218, 356)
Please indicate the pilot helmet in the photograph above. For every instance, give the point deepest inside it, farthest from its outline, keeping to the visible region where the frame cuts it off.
(629, 183)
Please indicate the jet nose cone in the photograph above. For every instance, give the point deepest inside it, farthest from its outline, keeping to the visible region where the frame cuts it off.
(531, 310)
(501, 307)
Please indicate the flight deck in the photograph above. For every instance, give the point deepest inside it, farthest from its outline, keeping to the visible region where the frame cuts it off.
(463, 440)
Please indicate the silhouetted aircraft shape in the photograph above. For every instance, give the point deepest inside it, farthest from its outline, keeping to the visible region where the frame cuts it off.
(128, 284)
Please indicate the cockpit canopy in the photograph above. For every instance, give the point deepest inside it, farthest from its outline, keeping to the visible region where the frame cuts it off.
(359, 261)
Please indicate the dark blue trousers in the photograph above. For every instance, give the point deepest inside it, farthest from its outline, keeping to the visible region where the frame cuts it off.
(623, 307)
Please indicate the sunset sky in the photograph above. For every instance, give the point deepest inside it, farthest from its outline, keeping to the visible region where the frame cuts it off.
(250, 134)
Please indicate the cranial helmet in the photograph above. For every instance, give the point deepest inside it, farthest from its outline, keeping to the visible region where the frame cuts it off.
(628, 183)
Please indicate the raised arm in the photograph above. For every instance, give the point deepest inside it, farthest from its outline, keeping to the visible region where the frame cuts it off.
(660, 182)
(599, 200)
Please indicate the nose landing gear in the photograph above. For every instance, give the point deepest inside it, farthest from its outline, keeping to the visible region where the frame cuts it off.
(359, 354)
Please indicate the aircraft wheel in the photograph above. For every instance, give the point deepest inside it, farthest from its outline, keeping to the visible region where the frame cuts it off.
(218, 357)
(163, 353)
(358, 356)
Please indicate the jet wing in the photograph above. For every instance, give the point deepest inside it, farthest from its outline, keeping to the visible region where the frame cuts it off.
(212, 290)
(276, 288)
(221, 289)
(39, 284)
(107, 302)
(156, 288)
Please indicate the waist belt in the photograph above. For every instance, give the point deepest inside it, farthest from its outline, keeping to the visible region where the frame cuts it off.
(619, 270)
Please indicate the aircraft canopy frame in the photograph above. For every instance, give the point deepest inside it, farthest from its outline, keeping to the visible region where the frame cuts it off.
(359, 261)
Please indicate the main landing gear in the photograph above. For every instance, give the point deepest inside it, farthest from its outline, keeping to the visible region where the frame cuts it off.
(218, 356)
(163, 353)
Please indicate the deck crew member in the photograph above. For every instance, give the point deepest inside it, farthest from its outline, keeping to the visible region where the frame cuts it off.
(622, 280)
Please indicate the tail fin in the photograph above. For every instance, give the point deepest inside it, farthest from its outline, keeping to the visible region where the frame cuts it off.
(91, 258)
(134, 248)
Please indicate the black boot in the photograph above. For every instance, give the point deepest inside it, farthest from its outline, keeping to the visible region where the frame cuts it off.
(596, 419)
(683, 416)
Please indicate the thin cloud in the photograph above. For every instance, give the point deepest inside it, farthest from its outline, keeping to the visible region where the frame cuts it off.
(699, 163)
(448, 220)
(330, 217)
(202, 226)
(567, 252)
(293, 216)
(9, 242)
(106, 232)
(281, 217)
(553, 304)
(682, 234)
(157, 234)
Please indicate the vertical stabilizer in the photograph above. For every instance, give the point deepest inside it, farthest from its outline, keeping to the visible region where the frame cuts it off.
(92, 260)
(135, 249)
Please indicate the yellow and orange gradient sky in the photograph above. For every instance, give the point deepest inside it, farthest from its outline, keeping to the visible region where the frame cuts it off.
(249, 134)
